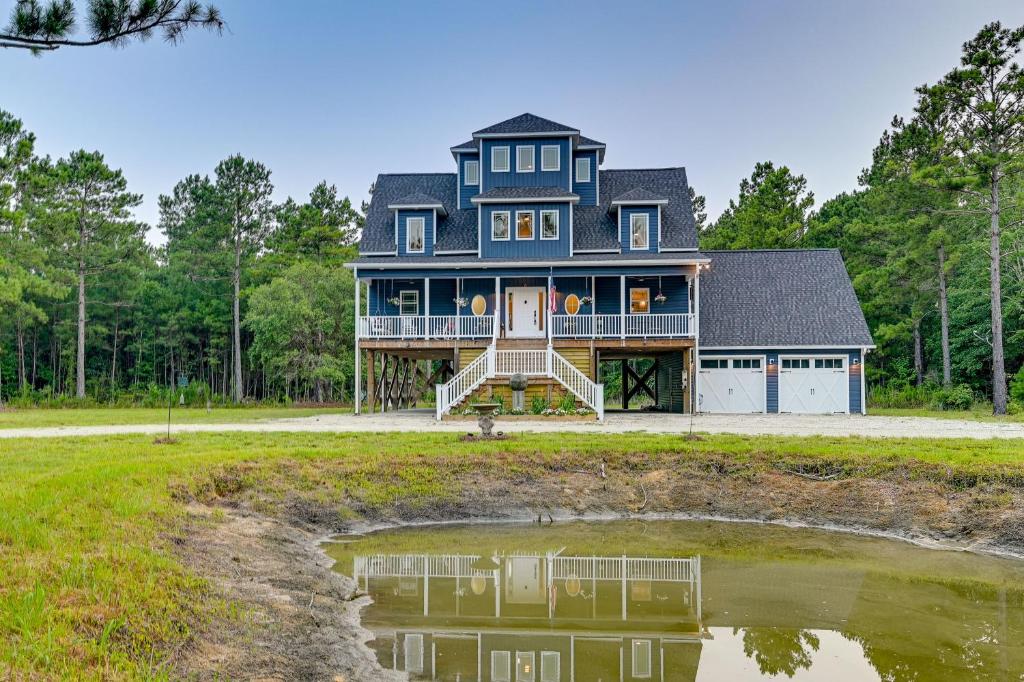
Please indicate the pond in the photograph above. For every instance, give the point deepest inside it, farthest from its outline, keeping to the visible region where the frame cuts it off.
(682, 600)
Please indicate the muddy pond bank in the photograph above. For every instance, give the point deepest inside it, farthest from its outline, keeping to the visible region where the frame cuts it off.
(257, 530)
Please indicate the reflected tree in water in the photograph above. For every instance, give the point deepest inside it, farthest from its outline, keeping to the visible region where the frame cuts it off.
(778, 650)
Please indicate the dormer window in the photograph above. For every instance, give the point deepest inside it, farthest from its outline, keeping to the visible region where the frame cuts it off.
(549, 224)
(472, 172)
(638, 231)
(524, 159)
(414, 231)
(583, 169)
(499, 160)
(550, 157)
(524, 224)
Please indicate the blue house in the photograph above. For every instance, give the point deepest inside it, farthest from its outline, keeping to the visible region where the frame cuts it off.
(531, 258)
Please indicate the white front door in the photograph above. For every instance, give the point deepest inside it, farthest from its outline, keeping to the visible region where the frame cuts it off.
(524, 314)
(732, 385)
(809, 385)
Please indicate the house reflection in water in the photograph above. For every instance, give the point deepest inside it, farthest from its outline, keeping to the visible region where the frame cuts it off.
(522, 617)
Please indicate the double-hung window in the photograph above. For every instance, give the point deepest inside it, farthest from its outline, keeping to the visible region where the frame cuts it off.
(415, 229)
(638, 231)
(639, 301)
(550, 157)
(499, 226)
(524, 159)
(408, 302)
(472, 172)
(583, 169)
(549, 224)
(499, 160)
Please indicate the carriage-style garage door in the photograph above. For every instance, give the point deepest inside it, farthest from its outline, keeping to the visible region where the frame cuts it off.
(732, 384)
(814, 385)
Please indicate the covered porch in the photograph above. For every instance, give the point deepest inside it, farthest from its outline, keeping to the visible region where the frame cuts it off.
(544, 307)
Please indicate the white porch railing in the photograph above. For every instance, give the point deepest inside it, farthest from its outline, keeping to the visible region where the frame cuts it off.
(610, 325)
(422, 326)
(528, 362)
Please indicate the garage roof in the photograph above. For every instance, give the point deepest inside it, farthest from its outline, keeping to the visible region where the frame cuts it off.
(775, 298)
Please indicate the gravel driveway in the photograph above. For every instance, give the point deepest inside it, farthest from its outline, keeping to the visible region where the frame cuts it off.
(423, 421)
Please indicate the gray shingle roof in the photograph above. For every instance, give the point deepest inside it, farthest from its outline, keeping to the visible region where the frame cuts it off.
(467, 145)
(779, 298)
(525, 123)
(593, 226)
(416, 199)
(587, 142)
(582, 258)
(639, 194)
(514, 193)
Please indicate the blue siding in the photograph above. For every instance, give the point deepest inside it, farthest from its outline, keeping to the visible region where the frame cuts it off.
(428, 232)
(564, 286)
(383, 289)
(442, 296)
(526, 248)
(772, 370)
(608, 295)
(652, 226)
(538, 178)
(483, 287)
(467, 192)
(586, 190)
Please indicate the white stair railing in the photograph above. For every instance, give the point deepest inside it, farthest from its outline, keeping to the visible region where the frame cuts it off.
(578, 383)
(492, 363)
(466, 381)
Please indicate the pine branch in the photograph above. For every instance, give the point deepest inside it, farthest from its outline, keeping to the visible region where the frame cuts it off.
(37, 28)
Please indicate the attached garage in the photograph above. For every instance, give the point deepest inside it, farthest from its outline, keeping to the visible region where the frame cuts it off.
(814, 385)
(732, 385)
(798, 312)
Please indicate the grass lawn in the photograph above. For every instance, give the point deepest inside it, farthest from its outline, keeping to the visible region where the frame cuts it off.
(91, 586)
(29, 418)
(981, 413)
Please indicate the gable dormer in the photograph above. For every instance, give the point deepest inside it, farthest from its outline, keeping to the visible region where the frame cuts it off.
(526, 151)
(638, 216)
(416, 217)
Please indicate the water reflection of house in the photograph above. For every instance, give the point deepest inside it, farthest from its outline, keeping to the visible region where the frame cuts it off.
(534, 618)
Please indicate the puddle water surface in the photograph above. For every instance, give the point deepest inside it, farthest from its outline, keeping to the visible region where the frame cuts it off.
(682, 601)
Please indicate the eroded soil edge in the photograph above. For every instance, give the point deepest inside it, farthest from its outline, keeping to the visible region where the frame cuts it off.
(301, 619)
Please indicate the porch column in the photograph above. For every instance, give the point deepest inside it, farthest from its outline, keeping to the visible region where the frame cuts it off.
(695, 399)
(359, 358)
(622, 306)
(593, 306)
(547, 307)
(371, 380)
(497, 306)
(426, 307)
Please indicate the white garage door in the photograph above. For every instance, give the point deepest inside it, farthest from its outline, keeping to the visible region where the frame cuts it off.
(732, 385)
(813, 385)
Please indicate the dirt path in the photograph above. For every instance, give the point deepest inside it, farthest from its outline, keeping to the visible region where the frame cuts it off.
(423, 421)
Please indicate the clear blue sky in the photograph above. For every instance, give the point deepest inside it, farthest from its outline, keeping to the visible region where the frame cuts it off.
(344, 90)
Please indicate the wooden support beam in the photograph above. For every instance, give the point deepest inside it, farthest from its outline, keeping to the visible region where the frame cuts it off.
(625, 382)
(371, 380)
(639, 382)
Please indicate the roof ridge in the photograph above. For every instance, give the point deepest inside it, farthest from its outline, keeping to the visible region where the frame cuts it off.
(633, 170)
(394, 175)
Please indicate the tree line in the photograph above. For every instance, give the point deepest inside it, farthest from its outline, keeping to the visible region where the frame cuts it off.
(246, 300)
(933, 236)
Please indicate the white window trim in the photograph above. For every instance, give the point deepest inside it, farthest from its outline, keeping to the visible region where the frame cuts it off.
(546, 658)
(557, 226)
(533, 226)
(494, 166)
(508, 226)
(558, 157)
(639, 644)
(501, 672)
(409, 220)
(647, 232)
(533, 158)
(477, 165)
(416, 298)
(586, 161)
(629, 301)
